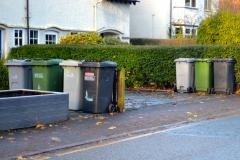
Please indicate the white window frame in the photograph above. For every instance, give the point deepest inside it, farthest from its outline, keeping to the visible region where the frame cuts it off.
(195, 32)
(33, 38)
(18, 38)
(190, 4)
(207, 5)
(50, 41)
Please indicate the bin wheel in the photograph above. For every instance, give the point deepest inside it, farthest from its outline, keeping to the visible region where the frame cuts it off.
(228, 92)
(175, 88)
(209, 90)
(212, 90)
(112, 108)
(194, 90)
(189, 89)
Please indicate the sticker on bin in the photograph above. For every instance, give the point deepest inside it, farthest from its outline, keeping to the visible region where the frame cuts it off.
(38, 75)
(89, 76)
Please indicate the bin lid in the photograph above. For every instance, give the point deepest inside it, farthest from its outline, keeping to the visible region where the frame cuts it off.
(228, 60)
(71, 63)
(15, 62)
(203, 60)
(188, 60)
(46, 62)
(98, 64)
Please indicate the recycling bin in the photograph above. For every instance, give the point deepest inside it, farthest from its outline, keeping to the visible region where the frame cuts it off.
(73, 83)
(224, 77)
(47, 75)
(20, 74)
(185, 74)
(204, 75)
(98, 85)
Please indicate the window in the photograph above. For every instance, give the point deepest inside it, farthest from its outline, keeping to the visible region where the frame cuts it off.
(194, 32)
(18, 38)
(33, 37)
(187, 3)
(178, 31)
(188, 31)
(207, 4)
(190, 3)
(50, 39)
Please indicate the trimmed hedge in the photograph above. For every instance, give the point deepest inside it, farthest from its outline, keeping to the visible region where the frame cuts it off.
(3, 76)
(144, 64)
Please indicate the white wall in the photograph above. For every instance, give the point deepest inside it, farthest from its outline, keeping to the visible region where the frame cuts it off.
(12, 12)
(62, 17)
(150, 19)
(114, 16)
(64, 14)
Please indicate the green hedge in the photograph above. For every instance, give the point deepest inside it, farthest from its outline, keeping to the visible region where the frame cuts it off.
(3, 76)
(144, 64)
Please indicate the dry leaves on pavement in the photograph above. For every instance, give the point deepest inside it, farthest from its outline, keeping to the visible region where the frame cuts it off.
(40, 126)
(112, 127)
(99, 123)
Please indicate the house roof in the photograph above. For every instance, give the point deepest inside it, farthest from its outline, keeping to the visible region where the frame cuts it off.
(126, 1)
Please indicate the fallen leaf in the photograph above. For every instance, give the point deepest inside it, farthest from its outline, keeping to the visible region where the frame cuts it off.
(112, 127)
(11, 139)
(55, 139)
(40, 126)
(201, 93)
(20, 158)
(99, 123)
(100, 117)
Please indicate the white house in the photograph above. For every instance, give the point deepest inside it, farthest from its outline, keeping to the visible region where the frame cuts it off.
(46, 21)
(156, 19)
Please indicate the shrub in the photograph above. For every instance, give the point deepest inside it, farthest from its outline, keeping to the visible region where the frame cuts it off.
(144, 64)
(114, 41)
(86, 38)
(222, 28)
(3, 76)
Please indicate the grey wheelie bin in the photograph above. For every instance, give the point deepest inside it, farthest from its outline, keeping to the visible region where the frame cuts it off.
(185, 74)
(20, 74)
(98, 84)
(73, 83)
(224, 77)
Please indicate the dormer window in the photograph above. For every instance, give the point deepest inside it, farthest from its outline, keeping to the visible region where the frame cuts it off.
(190, 3)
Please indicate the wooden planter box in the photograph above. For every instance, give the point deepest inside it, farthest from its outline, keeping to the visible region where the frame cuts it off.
(27, 108)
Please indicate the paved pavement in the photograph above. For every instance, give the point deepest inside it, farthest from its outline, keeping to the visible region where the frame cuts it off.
(86, 129)
(212, 140)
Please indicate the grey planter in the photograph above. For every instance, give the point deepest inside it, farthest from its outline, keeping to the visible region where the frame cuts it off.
(27, 108)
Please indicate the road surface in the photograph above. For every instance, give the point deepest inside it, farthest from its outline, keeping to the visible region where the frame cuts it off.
(208, 140)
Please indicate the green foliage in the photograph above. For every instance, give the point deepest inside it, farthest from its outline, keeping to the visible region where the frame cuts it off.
(144, 64)
(84, 38)
(114, 41)
(3, 76)
(222, 28)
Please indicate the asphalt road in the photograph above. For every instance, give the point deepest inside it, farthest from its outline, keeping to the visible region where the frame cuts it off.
(208, 140)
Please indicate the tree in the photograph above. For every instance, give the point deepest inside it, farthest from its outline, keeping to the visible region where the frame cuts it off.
(222, 28)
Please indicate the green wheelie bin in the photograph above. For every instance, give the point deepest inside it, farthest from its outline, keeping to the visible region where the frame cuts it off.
(47, 75)
(204, 75)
